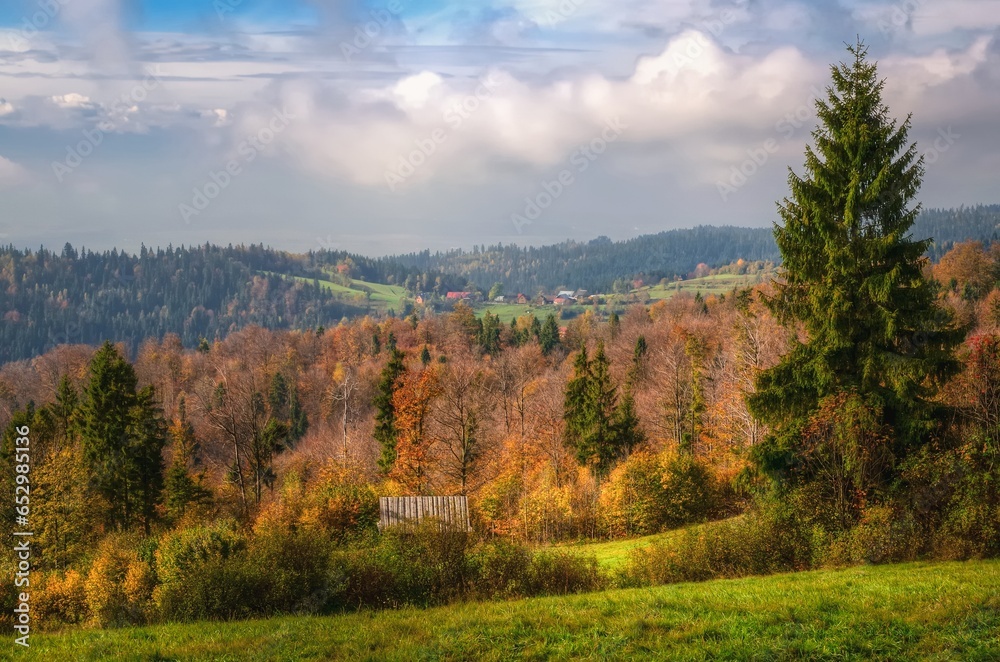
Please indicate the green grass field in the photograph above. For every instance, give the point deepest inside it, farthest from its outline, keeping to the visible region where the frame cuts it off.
(380, 296)
(944, 611)
(717, 284)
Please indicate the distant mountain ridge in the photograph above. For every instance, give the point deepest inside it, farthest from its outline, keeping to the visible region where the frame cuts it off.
(49, 298)
(596, 264)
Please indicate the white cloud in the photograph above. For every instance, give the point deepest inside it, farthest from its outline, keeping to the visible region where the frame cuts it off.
(413, 92)
(692, 87)
(73, 100)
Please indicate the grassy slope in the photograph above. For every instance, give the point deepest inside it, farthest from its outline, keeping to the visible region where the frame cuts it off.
(382, 296)
(912, 611)
(613, 553)
(717, 284)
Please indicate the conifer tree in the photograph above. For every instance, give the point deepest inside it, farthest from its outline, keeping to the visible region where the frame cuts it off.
(123, 434)
(548, 335)
(599, 429)
(386, 432)
(575, 406)
(852, 277)
(489, 333)
(181, 490)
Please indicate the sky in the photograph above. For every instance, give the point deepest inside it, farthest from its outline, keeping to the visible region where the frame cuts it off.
(386, 126)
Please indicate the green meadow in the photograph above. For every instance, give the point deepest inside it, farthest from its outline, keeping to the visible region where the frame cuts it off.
(940, 611)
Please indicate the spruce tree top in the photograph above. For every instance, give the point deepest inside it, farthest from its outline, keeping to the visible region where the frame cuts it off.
(852, 274)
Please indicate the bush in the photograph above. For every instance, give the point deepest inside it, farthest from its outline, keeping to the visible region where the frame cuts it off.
(294, 570)
(62, 598)
(769, 538)
(884, 535)
(690, 490)
(970, 526)
(557, 573)
(648, 493)
(504, 569)
(633, 500)
(118, 586)
(335, 502)
(420, 566)
(341, 506)
(204, 573)
(8, 591)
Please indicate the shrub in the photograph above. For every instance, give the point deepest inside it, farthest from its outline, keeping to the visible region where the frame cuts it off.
(116, 586)
(502, 569)
(335, 502)
(970, 526)
(633, 501)
(204, 573)
(690, 490)
(769, 538)
(294, 570)
(419, 566)
(884, 535)
(648, 493)
(8, 591)
(341, 506)
(557, 573)
(62, 598)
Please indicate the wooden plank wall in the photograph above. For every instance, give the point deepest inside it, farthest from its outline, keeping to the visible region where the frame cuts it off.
(449, 511)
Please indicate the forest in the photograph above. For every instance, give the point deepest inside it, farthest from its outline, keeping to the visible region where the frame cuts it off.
(844, 413)
(597, 264)
(207, 292)
(613, 428)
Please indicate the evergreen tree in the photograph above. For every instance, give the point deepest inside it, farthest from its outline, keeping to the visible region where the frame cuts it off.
(601, 443)
(576, 412)
(598, 428)
(181, 490)
(852, 278)
(386, 432)
(627, 431)
(548, 336)
(638, 367)
(277, 396)
(298, 422)
(123, 434)
(489, 334)
(614, 324)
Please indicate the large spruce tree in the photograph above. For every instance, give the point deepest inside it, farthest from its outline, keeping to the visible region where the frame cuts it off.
(123, 434)
(852, 279)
